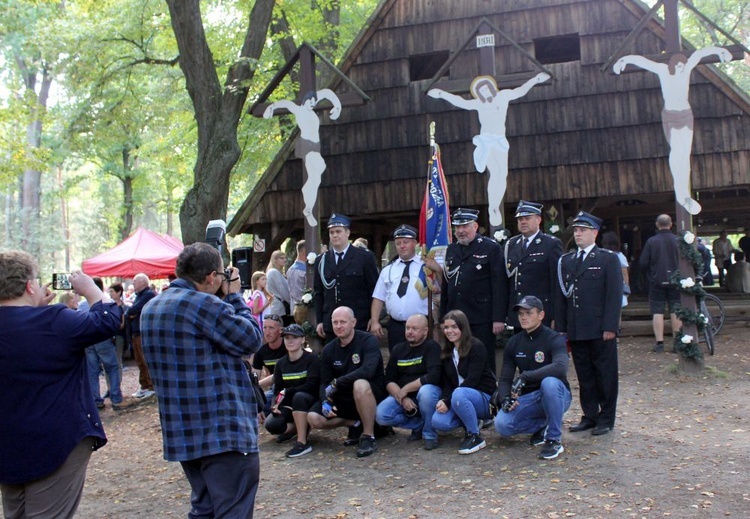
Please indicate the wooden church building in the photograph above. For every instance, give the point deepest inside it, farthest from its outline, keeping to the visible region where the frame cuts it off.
(587, 139)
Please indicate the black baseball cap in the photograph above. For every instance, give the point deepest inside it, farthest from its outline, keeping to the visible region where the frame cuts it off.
(529, 302)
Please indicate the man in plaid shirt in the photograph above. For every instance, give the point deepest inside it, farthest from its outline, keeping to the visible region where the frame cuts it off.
(193, 343)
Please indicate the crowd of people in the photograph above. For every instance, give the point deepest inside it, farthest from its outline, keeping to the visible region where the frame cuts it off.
(222, 364)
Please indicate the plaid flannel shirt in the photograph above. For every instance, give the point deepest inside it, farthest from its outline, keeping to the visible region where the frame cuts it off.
(193, 343)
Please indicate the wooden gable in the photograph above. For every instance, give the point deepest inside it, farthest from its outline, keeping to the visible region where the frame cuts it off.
(588, 135)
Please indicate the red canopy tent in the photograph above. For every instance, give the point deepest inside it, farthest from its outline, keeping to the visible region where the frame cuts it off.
(144, 251)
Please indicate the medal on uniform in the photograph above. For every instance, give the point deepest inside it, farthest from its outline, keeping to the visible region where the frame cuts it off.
(479, 267)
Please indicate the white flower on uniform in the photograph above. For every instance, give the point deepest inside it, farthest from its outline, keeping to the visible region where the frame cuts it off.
(687, 283)
(689, 237)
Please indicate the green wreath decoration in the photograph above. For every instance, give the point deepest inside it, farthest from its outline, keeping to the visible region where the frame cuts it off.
(684, 344)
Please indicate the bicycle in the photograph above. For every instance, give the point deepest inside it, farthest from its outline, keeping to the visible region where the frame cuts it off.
(713, 310)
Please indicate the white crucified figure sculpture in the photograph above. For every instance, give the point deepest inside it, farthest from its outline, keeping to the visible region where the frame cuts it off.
(307, 146)
(491, 145)
(677, 116)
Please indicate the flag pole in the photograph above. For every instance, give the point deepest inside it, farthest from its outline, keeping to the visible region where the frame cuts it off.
(430, 313)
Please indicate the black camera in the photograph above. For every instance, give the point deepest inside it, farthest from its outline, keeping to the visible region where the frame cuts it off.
(518, 385)
(508, 402)
(61, 281)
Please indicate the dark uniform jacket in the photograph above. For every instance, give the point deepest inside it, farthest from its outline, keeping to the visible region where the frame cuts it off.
(474, 368)
(590, 297)
(348, 284)
(474, 281)
(532, 272)
(360, 359)
(537, 355)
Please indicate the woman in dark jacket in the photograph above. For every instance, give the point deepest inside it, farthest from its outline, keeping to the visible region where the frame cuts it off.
(468, 382)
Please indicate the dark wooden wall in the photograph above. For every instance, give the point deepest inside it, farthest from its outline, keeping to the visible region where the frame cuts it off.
(587, 135)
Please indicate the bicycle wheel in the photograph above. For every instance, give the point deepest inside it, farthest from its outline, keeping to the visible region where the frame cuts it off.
(713, 309)
(709, 338)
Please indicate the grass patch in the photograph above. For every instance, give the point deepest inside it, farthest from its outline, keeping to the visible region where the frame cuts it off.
(708, 372)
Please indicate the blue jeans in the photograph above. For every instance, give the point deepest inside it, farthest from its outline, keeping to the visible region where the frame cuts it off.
(468, 406)
(391, 413)
(105, 353)
(545, 406)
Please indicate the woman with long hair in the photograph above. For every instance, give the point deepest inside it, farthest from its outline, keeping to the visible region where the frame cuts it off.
(468, 382)
(260, 298)
(277, 284)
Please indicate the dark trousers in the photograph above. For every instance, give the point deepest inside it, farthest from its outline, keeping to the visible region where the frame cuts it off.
(396, 332)
(596, 367)
(223, 485)
(483, 332)
(144, 377)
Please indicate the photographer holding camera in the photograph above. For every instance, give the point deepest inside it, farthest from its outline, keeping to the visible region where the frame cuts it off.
(535, 402)
(194, 343)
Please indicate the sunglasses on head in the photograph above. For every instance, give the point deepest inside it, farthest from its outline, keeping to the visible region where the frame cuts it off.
(273, 317)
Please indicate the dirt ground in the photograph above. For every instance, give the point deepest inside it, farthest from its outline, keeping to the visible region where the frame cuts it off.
(680, 449)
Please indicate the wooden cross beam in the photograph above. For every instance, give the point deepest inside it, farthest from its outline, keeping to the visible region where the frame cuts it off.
(483, 36)
(306, 56)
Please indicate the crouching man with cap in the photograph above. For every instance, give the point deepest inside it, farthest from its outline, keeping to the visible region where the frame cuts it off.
(296, 378)
(352, 383)
(590, 299)
(534, 403)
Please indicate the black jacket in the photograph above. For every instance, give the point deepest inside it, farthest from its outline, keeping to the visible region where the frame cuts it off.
(474, 368)
(474, 281)
(660, 257)
(594, 298)
(532, 272)
(350, 283)
(538, 355)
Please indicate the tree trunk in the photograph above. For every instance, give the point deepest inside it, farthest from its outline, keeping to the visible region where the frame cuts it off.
(127, 193)
(217, 110)
(32, 177)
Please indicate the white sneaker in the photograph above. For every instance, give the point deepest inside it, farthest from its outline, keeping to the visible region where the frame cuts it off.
(143, 393)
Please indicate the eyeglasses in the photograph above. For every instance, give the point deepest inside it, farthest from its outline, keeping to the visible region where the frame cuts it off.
(273, 317)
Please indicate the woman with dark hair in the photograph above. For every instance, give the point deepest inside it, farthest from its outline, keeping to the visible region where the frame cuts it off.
(468, 382)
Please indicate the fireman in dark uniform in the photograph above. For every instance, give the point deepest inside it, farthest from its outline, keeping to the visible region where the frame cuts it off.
(344, 276)
(474, 280)
(531, 263)
(590, 297)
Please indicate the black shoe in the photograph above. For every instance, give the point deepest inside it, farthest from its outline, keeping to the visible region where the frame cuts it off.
(659, 348)
(367, 446)
(299, 449)
(471, 444)
(601, 429)
(431, 445)
(415, 436)
(538, 437)
(551, 450)
(583, 425)
(382, 431)
(355, 431)
(285, 437)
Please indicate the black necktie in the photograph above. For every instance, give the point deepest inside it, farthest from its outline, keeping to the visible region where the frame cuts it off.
(404, 280)
(579, 262)
(525, 243)
(339, 257)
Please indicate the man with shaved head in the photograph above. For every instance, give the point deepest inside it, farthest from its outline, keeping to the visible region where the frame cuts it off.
(413, 383)
(143, 294)
(352, 383)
